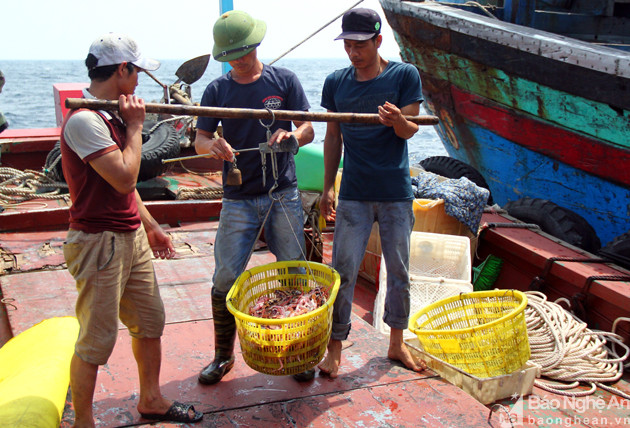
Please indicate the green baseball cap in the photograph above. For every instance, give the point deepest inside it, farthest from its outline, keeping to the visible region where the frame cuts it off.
(235, 35)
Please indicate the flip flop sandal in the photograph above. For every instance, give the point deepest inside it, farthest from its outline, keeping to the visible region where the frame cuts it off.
(178, 412)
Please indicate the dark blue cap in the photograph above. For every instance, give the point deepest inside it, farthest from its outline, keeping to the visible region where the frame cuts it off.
(360, 24)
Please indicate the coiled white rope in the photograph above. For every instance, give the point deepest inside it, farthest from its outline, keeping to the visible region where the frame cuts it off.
(568, 351)
(18, 186)
(614, 330)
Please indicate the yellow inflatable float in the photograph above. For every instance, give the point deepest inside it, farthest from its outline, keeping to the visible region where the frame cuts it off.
(35, 373)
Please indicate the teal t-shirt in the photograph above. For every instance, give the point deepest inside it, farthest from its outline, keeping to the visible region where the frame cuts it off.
(376, 162)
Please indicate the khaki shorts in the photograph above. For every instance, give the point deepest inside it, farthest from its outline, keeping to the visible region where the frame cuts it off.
(115, 279)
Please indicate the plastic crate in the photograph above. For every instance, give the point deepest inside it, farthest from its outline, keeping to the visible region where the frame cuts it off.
(430, 217)
(436, 255)
(439, 267)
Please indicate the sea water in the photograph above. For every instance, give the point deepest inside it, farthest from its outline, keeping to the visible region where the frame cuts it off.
(27, 98)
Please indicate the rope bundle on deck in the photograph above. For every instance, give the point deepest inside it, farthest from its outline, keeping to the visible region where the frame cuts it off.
(18, 186)
(208, 192)
(568, 351)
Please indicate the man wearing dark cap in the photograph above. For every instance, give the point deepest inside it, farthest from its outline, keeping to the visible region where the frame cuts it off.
(112, 235)
(376, 184)
(247, 205)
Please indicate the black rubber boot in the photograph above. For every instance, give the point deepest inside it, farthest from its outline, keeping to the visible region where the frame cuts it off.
(305, 376)
(224, 335)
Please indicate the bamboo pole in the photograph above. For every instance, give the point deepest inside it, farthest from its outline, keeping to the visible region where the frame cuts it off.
(244, 113)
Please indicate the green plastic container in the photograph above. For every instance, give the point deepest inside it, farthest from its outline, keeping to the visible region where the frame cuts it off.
(309, 167)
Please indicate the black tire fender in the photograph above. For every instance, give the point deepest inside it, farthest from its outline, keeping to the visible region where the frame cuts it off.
(557, 221)
(162, 143)
(618, 250)
(454, 168)
(54, 172)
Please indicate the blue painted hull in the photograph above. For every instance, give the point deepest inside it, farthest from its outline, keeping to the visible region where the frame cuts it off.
(513, 172)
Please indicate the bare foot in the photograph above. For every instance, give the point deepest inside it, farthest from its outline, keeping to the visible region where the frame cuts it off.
(330, 364)
(399, 352)
(157, 405)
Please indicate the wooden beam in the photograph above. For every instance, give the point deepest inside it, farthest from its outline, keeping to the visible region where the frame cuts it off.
(245, 113)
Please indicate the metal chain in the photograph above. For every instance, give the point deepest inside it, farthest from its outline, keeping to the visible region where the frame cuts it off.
(272, 198)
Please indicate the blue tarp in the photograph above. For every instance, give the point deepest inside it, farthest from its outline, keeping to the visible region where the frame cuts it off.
(463, 199)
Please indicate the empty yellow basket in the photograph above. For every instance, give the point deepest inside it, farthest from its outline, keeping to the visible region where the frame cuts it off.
(284, 346)
(483, 333)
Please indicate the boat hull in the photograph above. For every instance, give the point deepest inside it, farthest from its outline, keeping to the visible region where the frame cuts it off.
(536, 114)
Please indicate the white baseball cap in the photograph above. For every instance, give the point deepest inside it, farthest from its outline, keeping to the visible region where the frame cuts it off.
(115, 48)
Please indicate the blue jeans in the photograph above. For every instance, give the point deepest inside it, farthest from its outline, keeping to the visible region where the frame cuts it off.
(240, 221)
(353, 225)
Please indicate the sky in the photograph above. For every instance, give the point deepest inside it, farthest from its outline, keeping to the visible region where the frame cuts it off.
(173, 29)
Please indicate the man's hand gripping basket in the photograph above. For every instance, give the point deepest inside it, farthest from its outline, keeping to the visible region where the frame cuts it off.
(289, 345)
(483, 333)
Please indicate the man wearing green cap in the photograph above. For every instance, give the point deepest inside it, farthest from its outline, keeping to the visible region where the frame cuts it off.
(250, 84)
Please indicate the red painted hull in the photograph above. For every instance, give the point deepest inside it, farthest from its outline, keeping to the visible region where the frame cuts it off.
(557, 143)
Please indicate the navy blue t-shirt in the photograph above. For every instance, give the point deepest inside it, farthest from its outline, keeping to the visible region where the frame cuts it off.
(375, 159)
(276, 89)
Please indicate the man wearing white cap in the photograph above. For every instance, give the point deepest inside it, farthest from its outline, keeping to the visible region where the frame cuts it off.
(112, 235)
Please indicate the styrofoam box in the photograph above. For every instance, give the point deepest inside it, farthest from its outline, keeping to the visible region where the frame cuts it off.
(439, 267)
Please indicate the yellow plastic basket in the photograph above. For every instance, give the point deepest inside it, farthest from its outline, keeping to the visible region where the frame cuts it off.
(290, 345)
(483, 333)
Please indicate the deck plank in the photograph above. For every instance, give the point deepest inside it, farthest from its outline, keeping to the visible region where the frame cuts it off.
(39, 295)
(370, 390)
(39, 287)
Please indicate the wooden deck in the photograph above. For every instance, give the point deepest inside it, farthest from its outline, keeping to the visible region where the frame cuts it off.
(371, 391)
